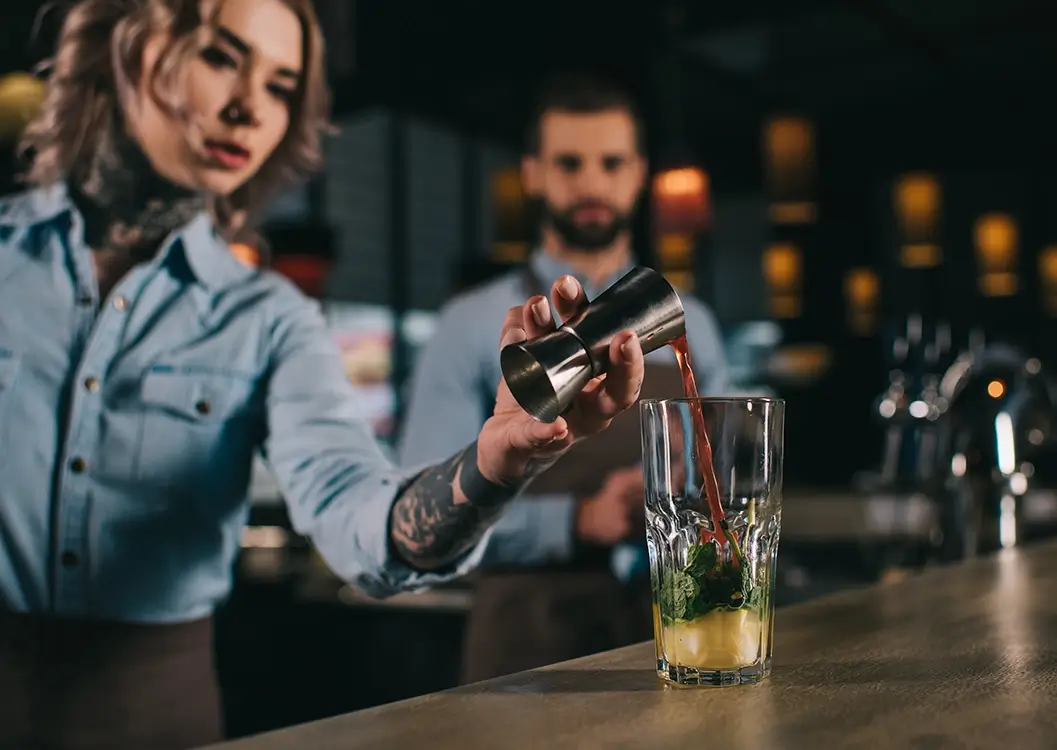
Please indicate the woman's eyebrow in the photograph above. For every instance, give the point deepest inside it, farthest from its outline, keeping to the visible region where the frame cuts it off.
(242, 47)
(233, 39)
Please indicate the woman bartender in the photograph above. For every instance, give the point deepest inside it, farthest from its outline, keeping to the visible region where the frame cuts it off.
(141, 366)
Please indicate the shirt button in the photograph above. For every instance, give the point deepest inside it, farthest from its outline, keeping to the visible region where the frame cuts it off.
(120, 303)
(70, 559)
(91, 385)
(203, 407)
(78, 465)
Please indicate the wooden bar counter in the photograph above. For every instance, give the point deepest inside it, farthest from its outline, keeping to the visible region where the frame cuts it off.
(962, 657)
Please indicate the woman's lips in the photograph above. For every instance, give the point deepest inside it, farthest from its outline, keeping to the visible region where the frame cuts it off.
(227, 154)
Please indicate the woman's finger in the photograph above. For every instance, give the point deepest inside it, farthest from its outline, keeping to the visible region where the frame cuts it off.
(542, 437)
(623, 382)
(513, 329)
(568, 296)
(537, 316)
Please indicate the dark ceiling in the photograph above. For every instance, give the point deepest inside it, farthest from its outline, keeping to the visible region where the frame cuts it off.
(730, 62)
(715, 69)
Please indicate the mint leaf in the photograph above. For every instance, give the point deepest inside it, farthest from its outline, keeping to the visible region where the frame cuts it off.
(701, 560)
(704, 584)
(753, 592)
(678, 595)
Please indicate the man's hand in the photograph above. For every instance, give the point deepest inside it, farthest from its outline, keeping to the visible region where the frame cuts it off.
(512, 444)
(612, 514)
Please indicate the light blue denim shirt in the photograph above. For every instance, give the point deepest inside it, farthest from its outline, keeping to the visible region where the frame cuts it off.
(128, 426)
(453, 393)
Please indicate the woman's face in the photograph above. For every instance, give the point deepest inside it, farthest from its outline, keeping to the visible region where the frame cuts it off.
(240, 87)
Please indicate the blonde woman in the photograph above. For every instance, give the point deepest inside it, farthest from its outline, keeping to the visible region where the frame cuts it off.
(142, 366)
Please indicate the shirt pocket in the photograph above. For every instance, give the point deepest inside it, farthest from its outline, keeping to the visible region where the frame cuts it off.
(199, 430)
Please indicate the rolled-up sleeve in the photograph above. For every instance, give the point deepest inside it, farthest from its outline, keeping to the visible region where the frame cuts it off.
(338, 485)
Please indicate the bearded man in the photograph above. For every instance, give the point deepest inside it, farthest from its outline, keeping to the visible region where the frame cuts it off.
(566, 570)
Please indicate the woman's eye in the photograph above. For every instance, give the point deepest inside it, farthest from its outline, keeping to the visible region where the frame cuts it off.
(282, 93)
(218, 58)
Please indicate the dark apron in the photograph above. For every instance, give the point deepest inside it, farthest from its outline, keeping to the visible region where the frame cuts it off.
(95, 685)
(523, 618)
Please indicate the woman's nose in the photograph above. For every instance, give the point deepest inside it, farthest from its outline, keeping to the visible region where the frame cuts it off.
(238, 112)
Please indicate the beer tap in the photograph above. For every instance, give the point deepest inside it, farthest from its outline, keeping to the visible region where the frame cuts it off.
(893, 406)
(913, 403)
(930, 405)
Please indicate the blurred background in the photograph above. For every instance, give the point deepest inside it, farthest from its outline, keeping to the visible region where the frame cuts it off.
(862, 191)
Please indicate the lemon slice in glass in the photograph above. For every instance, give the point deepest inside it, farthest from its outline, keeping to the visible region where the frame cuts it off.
(722, 639)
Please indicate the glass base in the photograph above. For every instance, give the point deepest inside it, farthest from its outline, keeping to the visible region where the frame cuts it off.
(674, 674)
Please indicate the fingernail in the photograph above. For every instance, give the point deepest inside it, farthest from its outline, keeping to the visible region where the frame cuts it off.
(513, 336)
(558, 437)
(541, 311)
(627, 349)
(567, 287)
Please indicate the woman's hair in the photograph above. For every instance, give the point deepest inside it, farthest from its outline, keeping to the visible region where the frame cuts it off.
(97, 67)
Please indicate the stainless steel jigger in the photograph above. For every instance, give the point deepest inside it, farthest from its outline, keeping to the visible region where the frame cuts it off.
(545, 374)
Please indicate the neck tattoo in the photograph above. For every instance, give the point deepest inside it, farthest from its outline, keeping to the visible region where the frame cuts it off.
(127, 206)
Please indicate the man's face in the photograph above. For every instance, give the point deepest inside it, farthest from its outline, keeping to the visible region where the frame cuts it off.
(588, 175)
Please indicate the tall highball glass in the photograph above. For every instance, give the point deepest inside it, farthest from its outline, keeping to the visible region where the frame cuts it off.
(712, 560)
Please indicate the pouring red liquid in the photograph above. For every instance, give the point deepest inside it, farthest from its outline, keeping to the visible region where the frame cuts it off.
(720, 534)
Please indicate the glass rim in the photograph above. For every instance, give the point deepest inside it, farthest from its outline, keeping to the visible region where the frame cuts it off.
(714, 400)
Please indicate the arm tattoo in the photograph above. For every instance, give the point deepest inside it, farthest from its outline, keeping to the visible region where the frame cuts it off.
(431, 527)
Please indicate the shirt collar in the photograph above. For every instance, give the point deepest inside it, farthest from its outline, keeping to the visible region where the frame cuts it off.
(208, 255)
(548, 269)
(197, 243)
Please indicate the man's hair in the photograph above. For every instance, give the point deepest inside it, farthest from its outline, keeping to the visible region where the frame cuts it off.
(96, 69)
(582, 94)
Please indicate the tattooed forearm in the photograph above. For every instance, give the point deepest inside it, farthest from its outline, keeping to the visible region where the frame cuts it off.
(446, 510)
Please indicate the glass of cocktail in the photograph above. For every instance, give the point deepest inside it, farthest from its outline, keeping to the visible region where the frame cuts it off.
(713, 475)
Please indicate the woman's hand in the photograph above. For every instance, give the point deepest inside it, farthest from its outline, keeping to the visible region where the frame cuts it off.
(511, 441)
(447, 507)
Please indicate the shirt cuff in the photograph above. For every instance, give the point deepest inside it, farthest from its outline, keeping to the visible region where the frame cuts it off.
(358, 548)
(535, 530)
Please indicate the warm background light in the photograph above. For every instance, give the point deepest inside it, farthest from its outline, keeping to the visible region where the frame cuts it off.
(789, 151)
(782, 270)
(681, 203)
(510, 206)
(21, 95)
(676, 183)
(862, 290)
(917, 201)
(1048, 278)
(781, 266)
(246, 254)
(675, 250)
(681, 200)
(997, 240)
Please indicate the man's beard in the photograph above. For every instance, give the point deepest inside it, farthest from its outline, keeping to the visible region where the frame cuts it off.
(590, 237)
